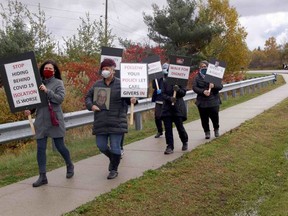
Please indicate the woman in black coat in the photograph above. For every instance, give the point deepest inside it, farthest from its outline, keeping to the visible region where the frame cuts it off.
(208, 100)
(174, 110)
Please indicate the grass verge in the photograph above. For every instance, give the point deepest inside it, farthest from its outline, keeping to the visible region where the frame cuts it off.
(20, 163)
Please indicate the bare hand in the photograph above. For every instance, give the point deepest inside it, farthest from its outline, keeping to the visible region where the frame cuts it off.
(206, 92)
(133, 100)
(27, 112)
(95, 108)
(43, 88)
(211, 85)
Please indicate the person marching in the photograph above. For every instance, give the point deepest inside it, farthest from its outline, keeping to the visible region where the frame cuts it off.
(174, 110)
(208, 100)
(44, 127)
(109, 125)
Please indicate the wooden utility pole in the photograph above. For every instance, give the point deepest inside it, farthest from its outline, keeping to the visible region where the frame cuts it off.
(106, 22)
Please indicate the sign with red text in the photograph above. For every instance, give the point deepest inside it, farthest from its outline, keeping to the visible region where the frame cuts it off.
(115, 54)
(134, 80)
(179, 70)
(215, 71)
(21, 80)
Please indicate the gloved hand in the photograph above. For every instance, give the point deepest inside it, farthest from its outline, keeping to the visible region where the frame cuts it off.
(173, 99)
(158, 91)
(176, 88)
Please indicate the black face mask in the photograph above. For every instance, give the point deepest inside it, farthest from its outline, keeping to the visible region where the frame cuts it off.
(203, 71)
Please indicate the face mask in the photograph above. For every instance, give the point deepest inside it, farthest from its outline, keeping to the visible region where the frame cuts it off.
(165, 72)
(203, 71)
(48, 74)
(105, 73)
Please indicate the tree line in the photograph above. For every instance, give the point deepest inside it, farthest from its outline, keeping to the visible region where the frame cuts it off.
(194, 28)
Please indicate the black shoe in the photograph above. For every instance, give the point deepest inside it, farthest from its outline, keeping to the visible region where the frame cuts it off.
(168, 151)
(70, 171)
(185, 146)
(158, 135)
(216, 133)
(42, 180)
(207, 135)
(112, 174)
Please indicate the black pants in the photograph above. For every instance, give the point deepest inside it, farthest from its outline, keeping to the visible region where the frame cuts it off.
(157, 115)
(213, 114)
(168, 123)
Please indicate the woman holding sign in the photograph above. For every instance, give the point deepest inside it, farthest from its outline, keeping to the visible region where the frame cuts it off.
(208, 100)
(109, 124)
(174, 110)
(49, 121)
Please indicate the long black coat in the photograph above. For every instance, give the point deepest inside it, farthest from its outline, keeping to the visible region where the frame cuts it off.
(199, 85)
(113, 120)
(179, 108)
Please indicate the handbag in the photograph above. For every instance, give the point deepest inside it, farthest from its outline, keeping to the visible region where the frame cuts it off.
(54, 120)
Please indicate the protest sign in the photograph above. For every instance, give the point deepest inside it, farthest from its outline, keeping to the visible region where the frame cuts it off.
(134, 82)
(115, 54)
(179, 70)
(154, 67)
(21, 80)
(215, 72)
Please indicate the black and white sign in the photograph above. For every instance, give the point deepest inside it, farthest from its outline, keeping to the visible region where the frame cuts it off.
(21, 80)
(115, 54)
(154, 67)
(215, 71)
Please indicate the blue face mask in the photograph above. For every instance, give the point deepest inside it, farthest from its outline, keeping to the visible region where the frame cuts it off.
(203, 71)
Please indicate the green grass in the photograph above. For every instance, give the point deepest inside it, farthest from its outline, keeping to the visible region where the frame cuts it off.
(243, 172)
(20, 163)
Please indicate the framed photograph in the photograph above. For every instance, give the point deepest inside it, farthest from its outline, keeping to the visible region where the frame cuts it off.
(101, 98)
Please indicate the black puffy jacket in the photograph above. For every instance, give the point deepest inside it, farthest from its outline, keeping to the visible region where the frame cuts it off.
(113, 120)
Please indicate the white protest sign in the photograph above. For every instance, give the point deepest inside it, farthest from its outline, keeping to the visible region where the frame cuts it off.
(154, 67)
(134, 79)
(179, 71)
(22, 83)
(215, 70)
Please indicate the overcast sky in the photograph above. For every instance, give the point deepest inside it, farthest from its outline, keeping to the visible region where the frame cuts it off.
(261, 19)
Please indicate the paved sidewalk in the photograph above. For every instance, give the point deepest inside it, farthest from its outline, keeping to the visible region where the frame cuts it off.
(63, 195)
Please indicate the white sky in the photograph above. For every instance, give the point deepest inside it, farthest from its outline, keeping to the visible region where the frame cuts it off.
(261, 18)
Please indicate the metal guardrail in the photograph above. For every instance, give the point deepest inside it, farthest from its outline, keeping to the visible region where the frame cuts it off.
(21, 129)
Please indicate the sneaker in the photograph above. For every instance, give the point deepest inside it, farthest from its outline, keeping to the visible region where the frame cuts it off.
(216, 133)
(207, 135)
(158, 135)
(185, 146)
(168, 151)
(122, 153)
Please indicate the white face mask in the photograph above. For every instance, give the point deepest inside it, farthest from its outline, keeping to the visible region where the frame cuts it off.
(105, 73)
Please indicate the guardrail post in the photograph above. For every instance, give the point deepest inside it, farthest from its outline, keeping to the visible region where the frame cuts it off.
(242, 91)
(138, 121)
(225, 96)
(234, 93)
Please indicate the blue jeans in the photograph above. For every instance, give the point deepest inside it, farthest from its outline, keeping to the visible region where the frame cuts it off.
(115, 143)
(41, 152)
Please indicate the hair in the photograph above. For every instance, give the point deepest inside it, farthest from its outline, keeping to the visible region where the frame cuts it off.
(56, 69)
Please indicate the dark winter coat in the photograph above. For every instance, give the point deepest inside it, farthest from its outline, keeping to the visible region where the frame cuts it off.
(42, 124)
(113, 120)
(179, 108)
(203, 101)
